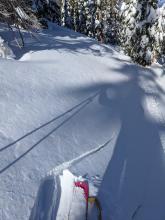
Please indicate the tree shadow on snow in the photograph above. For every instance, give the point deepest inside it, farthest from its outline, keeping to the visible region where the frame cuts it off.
(56, 38)
(66, 116)
(133, 185)
(134, 181)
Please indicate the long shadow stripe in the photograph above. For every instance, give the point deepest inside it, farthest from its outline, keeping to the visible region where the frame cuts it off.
(49, 122)
(42, 139)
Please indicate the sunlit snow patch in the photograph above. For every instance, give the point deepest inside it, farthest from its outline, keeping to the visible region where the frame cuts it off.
(151, 107)
(26, 56)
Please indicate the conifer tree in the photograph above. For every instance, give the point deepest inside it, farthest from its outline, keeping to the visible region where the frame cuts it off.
(67, 14)
(161, 31)
(47, 10)
(108, 19)
(91, 7)
(95, 18)
(139, 22)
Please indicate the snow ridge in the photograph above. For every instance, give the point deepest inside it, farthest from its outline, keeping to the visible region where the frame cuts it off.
(57, 170)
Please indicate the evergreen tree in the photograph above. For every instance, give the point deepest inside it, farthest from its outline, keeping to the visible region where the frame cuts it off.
(91, 17)
(95, 18)
(138, 25)
(67, 14)
(47, 10)
(161, 31)
(107, 22)
(82, 5)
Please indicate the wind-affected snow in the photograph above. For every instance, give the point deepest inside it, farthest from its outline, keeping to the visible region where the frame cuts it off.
(61, 101)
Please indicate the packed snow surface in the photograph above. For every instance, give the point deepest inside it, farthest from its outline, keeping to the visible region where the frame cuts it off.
(68, 102)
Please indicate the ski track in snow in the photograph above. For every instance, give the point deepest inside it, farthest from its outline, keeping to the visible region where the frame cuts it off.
(57, 170)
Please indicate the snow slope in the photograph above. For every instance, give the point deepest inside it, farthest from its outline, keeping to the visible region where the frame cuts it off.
(62, 99)
(161, 2)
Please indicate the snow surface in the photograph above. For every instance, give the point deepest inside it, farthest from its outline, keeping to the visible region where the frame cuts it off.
(161, 2)
(69, 102)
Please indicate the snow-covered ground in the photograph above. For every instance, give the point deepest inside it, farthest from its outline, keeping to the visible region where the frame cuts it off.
(68, 102)
(161, 2)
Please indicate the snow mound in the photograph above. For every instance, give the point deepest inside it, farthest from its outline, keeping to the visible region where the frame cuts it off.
(26, 56)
